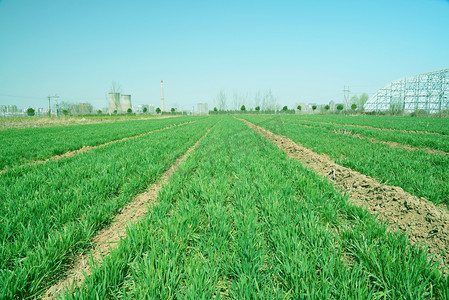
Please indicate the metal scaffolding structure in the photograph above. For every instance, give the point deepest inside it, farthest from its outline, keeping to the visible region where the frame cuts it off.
(427, 91)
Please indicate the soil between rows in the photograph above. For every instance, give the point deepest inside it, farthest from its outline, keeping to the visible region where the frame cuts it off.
(109, 238)
(89, 148)
(377, 128)
(422, 221)
(388, 143)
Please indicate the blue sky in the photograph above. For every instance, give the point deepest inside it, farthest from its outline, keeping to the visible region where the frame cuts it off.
(304, 51)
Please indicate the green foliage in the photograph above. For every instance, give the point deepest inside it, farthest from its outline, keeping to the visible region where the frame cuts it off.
(285, 108)
(326, 107)
(30, 112)
(354, 106)
(378, 160)
(63, 203)
(66, 112)
(299, 107)
(145, 110)
(257, 108)
(340, 107)
(129, 111)
(215, 109)
(158, 110)
(314, 107)
(362, 100)
(240, 220)
(243, 108)
(25, 145)
(172, 110)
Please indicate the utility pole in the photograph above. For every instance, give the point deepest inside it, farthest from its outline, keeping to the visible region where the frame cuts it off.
(162, 97)
(49, 107)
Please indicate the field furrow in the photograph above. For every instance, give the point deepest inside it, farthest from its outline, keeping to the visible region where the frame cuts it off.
(108, 238)
(397, 124)
(431, 143)
(21, 146)
(430, 224)
(419, 173)
(50, 212)
(241, 220)
(88, 148)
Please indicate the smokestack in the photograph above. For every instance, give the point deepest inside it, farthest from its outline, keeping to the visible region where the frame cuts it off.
(162, 96)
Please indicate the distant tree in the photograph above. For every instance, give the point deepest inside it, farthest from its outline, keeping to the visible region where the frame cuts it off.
(145, 109)
(215, 109)
(313, 107)
(353, 106)
(115, 112)
(221, 100)
(340, 107)
(362, 100)
(327, 107)
(67, 112)
(354, 100)
(299, 107)
(257, 108)
(129, 111)
(30, 112)
(172, 110)
(243, 108)
(285, 108)
(158, 110)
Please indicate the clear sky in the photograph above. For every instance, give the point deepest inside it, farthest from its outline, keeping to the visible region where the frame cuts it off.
(304, 51)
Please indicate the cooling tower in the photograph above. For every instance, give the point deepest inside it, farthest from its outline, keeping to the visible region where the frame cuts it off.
(114, 103)
(126, 103)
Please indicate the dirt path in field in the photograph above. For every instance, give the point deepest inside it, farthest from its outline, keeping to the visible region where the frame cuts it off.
(376, 128)
(108, 238)
(420, 219)
(391, 144)
(89, 148)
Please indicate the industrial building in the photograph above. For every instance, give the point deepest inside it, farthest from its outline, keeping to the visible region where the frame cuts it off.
(119, 104)
(203, 108)
(428, 92)
(125, 103)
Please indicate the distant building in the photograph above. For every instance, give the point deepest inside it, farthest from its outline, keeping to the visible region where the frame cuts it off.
(428, 92)
(203, 108)
(125, 103)
(12, 109)
(114, 103)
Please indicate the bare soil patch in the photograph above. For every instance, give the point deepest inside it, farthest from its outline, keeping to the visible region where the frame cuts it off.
(89, 148)
(422, 221)
(108, 239)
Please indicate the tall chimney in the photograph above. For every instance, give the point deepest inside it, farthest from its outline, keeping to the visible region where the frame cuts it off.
(162, 96)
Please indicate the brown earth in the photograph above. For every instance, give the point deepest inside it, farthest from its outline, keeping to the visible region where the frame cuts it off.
(88, 148)
(109, 238)
(377, 128)
(421, 220)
